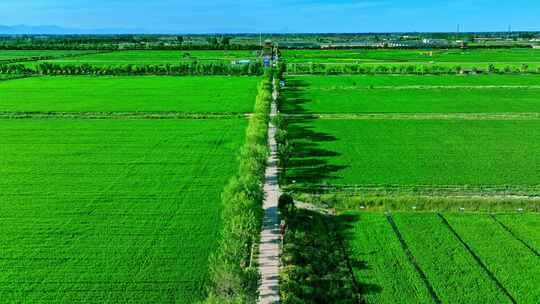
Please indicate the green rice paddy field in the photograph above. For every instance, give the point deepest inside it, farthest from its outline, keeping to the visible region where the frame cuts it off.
(414, 56)
(156, 57)
(115, 209)
(415, 153)
(429, 132)
(448, 258)
(413, 94)
(111, 211)
(129, 94)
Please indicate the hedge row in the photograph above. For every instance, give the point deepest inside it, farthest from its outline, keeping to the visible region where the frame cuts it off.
(184, 69)
(234, 276)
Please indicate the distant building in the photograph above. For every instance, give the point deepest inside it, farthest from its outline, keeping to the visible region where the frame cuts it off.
(435, 42)
(242, 62)
(471, 72)
(268, 48)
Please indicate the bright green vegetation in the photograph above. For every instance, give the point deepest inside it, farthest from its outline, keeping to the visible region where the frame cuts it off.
(111, 211)
(524, 226)
(512, 263)
(413, 94)
(382, 268)
(414, 56)
(157, 57)
(415, 153)
(8, 55)
(454, 274)
(363, 82)
(129, 94)
(453, 271)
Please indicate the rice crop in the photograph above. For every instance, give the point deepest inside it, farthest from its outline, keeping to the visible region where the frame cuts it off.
(111, 211)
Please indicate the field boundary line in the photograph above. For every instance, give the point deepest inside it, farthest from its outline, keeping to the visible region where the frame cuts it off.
(515, 236)
(426, 87)
(120, 115)
(418, 116)
(476, 258)
(412, 259)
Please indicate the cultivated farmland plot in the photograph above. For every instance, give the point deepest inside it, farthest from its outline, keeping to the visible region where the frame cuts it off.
(414, 56)
(111, 211)
(384, 271)
(419, 153)
(473, 260)
(473, 134)
(415, 138)
(129, 94)
(413, 94)
(524, 228)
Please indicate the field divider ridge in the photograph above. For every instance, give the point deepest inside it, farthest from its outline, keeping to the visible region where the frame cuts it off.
(429, 87)
(412, 259)
(515, 236)
(120, 115)
(419, 116)
(476, 258)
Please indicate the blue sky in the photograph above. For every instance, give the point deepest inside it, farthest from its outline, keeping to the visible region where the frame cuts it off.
(199, 16)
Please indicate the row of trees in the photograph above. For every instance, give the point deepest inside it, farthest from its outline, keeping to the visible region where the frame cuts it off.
(234, 279)
(210, 44)
(417, 69)
(183, 69)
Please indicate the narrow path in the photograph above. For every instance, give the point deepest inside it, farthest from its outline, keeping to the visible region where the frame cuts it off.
(269, 247)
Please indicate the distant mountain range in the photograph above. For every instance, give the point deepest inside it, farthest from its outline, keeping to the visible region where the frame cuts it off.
(58, 30)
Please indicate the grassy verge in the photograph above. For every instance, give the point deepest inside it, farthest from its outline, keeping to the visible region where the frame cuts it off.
(348, 201)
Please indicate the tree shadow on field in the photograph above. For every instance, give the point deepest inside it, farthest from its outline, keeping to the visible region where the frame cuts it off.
(319, 243)
(344, 225)
(309, 163)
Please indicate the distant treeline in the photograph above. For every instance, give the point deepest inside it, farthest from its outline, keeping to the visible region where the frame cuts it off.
(113, 47)
(122, 42)
(407, 47)
(412, 69)
(70, 46)
(182, 69)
